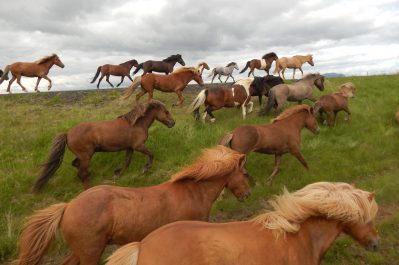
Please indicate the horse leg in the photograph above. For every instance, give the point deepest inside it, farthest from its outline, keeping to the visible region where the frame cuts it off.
(19, 83)
(83, 172)
(49, 82)
(107, 79)
(99, 80)
(330, 118)
(226, 79)
(123, 77)
(213, 78)
(10, 82)
(300, 69)
(277, 161)
(181, 98)
(348, 113)
(150, 95)
(295, 152)
(128, 159)
(37, 84)
(128, 76)
(293, 74)
(260, 99)
(233, 78)
(76, 162)
(71, 260)
(244, 111)
(251, 106)
(139, 95)
(143, 149)
(209, 112)
(220, 79)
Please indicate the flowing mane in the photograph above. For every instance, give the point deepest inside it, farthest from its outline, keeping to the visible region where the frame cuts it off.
(45, 59)
(339, 201)
(269, 55)
(172, 58)
(186, 69)
(291, 111)
(140, 110)
(214, 162)
(230, 64)
(348, 88)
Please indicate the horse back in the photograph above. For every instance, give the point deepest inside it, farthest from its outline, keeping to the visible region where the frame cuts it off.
(28, 69)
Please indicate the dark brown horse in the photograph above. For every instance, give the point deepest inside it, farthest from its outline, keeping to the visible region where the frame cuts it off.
(128, 132)
(121, 70)
(164, 66)
(280, 137)
(39, 69)
(264, 64)
(261, 86)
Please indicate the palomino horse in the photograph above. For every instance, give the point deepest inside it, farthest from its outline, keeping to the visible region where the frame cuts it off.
(121, 70)
(117, 215)
(299, 229)
(175, 82)
(281, 137)
(264, 64)
(261, 85)
(337, 101)
(216, 98)
(294, 62)
(128, 132)
(226, 71)
(297, 91)
(39, 69)
(164, 66)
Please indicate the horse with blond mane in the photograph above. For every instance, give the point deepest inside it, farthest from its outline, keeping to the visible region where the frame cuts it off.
(294, 62)
(299, 229)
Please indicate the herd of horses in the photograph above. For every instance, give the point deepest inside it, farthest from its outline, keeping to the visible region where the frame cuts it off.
(168, 223)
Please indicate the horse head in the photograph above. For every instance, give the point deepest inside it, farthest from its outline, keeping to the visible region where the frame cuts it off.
(233, 64)
(319, 81)
(198, 77)
(180, 60)
(238, 182)
(161, 113)
(310, 59)
(134, 62)
(311, 122)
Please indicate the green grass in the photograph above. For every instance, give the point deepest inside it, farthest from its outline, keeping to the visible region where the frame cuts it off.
(364, 152)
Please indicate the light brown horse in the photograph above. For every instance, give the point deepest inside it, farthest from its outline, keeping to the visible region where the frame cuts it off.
(298, 231)
(121, 70)
(39, 69)
(278, 138)
(294, 62)
(116, 215)
(202, 66)
(264, 64)
(174, 82)
(128, 132)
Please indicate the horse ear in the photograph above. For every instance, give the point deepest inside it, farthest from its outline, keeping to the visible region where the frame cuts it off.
(243, 160)
(371, 196)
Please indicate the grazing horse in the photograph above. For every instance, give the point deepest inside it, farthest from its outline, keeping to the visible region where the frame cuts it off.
(238, 95)
(202, 66)
(294, 62)
(119, 215)
(297, 91)
(164, 66)
(175, 82)
(282, 136)
(39, 69)
(128, 132)
(264, 64)
(226, 71)
(121, 70)
(261, 85)
(299, 229)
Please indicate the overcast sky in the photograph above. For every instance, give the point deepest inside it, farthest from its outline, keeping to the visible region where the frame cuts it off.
(352, 37)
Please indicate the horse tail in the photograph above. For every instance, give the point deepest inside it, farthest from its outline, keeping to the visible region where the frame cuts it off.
(38, 232)
(226, 140)
(126, 255)
(212, 73)
(138, 68)
(5, 74)
(199, 100)
(129, 91)
(53, 163)
(270, 101)
(96, 75)
(245, 68)
(277, 68)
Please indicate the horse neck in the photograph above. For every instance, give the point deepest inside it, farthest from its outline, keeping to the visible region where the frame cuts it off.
(145, 121)
(47, 64)
(127, 65)
(186, 77)
(172, 63)
(294, 122)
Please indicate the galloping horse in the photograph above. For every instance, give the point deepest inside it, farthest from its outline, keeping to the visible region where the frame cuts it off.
(117, 215)
(261, 85)
(294, 62)
(128, 132)
(264, 64)
(202, 66)
(175, 82)
(164, 66)
(39, 69)
(299, 230)
(226, 71)
(280, 137)
(297, 91)
(121, 70)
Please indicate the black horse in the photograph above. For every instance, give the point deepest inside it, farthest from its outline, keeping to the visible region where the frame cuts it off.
(164, 66)
(261, 85)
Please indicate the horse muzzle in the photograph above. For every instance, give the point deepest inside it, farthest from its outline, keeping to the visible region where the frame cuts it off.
(170, 124)
(373, 245)
(244, 196)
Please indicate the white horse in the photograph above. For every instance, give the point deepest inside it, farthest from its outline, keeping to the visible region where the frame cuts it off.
(226, 71)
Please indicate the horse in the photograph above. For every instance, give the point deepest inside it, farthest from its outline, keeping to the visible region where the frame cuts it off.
(282, 136)
(39, 69)
(164, 66)
(299, 229)
(1, 74)
(118, 215)
(226, 71)
(238, 95)
(264, 64)
(297, 91)
(335, 102)
(175, 82)
(127, 132)
(121, 70)
(202, 66)
(261, 85)
(294, 62)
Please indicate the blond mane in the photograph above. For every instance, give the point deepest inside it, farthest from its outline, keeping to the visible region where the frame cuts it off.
(140, 110)
(347, 89)
(186, 69)
(338, 201)
(291, 111)
(45, 59)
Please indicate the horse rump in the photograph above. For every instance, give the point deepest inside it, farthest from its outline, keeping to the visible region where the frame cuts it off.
(226, 140)
(4, 75)
(245, 68)
(125, 255)
(96, 75)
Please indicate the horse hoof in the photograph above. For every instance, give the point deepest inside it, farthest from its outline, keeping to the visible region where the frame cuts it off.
(213, 120)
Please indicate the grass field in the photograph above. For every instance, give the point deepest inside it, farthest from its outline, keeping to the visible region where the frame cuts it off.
(364, 152)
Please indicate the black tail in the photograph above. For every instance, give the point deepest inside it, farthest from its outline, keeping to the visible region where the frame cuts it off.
(138, 68)
(245, 68)
(97, 74)
(4, 75)
(270, 101)
(53, 163)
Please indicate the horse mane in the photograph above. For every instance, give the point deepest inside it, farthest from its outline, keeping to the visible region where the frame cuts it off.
(213, 163)
(338, 201)
(45, 59)
(269, 55)
(186, 69)
(229, 64)
(140, 110)
(127, 62)
(172, 58)
(291, 111)
(347, 86)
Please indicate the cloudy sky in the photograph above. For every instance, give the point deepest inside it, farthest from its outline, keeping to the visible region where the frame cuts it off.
(352, 37)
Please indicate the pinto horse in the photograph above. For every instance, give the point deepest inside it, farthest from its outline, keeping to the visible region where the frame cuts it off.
(299, 229)
(121, 70)
(264, 64)
(294, 62)
(39, 69)
(261, 85)
(117, 215)
(226, 71)
(164, 66)
(280, 137)
(128, 132)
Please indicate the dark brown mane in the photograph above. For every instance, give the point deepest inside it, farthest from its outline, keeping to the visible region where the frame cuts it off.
(172, 58)
(129, 62)
(270, 55)
(229, 64)
(140, 110)
(45, 59)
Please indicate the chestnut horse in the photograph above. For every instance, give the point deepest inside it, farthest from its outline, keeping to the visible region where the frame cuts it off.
(175, 82)
(264, 64)
(121, 70)
(294, 62)
(117, 215)
(39, 69)
(164, 66)
(261, 85)
(282, 136)
(299, 230)
(128, 132)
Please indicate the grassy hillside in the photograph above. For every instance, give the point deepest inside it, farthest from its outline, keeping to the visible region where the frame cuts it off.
(364, 152)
